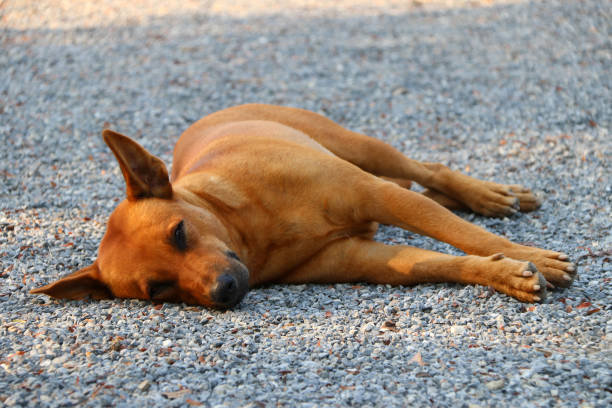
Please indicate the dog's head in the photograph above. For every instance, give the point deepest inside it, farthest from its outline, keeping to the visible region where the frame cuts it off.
(157, 245)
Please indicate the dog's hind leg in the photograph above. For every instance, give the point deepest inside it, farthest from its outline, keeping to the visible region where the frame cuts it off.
(451, 189)
(444, 200)
(361, 260)
(383, 160)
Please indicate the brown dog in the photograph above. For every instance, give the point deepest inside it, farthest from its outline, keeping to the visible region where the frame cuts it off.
(263, 194)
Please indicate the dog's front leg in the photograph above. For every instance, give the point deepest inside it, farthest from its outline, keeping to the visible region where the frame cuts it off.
(362, 260)
(391, 204)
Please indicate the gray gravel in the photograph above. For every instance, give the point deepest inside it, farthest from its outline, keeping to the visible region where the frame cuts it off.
(513, 91)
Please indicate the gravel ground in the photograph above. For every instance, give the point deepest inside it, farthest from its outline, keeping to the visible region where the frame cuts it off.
(509, 91)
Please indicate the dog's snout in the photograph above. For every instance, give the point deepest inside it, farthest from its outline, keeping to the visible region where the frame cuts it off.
(225, 290)
(226, 283)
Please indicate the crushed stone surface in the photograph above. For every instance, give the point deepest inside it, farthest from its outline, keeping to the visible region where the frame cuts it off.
(512, 91)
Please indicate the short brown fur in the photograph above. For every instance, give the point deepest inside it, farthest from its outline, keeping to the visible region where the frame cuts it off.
(262, 194)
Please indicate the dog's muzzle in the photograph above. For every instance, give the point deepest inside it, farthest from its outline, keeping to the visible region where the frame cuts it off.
(231, 286)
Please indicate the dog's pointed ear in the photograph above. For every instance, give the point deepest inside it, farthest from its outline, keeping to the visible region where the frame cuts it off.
(145, 175)
(77, 285)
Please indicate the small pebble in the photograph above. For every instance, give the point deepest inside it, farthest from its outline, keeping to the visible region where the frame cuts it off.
(495, 385)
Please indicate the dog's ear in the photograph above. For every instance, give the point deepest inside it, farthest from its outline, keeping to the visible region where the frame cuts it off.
(145, 175)
(77, 285)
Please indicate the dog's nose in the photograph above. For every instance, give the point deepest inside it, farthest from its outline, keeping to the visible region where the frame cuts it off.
(225, 290)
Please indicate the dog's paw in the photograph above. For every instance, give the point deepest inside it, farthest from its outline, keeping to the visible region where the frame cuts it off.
(554, 266)
(489, 198)
(527, 200)
(518, 279)
(501, 200)
(557, 269)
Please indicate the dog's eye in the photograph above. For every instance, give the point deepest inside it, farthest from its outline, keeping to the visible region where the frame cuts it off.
(179, 238)
(232, 255)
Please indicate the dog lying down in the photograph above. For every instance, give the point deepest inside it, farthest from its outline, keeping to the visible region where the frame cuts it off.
(266, 194)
